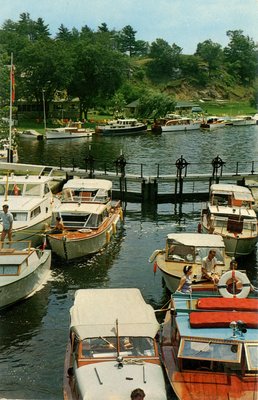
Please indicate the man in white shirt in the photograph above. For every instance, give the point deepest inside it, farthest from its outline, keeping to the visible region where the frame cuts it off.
(208, 267)
(7, 221)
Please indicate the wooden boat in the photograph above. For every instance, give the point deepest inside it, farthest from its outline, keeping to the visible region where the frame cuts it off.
(243, 120)
(112, 349)
(189, 249)
(209, 347)
(72, 131)
(229, 213)
(180, 124)
(213, 123)
(121, 127)
(89, 218)
(23, 270)
(31, 203)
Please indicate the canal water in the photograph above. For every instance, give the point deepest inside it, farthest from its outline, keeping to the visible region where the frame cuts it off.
(34, 333)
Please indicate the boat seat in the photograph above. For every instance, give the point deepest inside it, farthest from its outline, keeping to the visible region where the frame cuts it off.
(222, 319)
(224, 303)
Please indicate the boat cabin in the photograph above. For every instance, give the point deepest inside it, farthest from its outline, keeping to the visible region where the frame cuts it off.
(14, 258)
(87, 190)
(81, 216)
(231, 196)
(192, 248)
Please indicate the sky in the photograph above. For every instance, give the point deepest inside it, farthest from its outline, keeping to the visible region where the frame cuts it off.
(183, 22)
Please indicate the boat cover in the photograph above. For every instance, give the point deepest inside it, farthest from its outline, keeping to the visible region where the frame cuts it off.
(88, 184)
(197, 239)
(236, 304)
(219, 319)
(95, 312)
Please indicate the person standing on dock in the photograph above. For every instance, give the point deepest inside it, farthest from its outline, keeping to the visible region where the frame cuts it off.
(7, 221)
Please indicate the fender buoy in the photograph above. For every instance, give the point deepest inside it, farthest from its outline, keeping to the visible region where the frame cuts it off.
(154, 255)
(155, 266)
(114, 228)
(199, 228)
(223, 287)
(107, 237)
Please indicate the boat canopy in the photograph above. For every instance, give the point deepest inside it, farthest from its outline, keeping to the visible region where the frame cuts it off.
(238, 192)
(112, 312)
(88, 184)
(197, 239)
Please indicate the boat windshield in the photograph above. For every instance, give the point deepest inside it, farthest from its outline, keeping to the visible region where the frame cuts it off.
(128, 346)
(181, 252)
(210, 350)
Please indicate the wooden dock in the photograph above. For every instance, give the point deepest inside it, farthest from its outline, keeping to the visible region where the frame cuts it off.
(150, 189)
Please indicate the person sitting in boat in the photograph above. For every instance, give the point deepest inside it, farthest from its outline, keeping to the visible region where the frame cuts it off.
(59, 226)
(137, 394)
(209, 267)
(185, 284)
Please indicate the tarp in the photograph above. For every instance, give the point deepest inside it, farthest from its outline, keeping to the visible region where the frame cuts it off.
(197, 239)
(88, 184)
(95, 312)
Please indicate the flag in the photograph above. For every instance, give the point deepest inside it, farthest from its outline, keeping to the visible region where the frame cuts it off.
(12, 83)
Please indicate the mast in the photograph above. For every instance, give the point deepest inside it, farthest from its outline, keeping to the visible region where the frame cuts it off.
(9, 158)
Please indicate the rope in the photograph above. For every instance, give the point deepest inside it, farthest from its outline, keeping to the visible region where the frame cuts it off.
(135, 361)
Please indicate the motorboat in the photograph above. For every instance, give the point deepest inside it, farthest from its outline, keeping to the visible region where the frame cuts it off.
(31, 202)
(73, 130)
(121, 126)
(112, 346)
(189, 249)
(89, 217)
(23, 269)
(212, 123)
(180, 124)
(243, 120)
(230, 213)
(209, 347)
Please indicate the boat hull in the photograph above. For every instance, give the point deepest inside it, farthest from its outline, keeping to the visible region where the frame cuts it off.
(206, 385)
(68, 134)
(106, 131)
(28, 281)
(184, 128)
(81, 243)
(235, 246)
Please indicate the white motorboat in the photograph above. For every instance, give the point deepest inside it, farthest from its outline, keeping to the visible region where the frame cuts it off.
(112, 347)
(121, 127)
(31, 203)
(189, 249)
(230, 213)
(180, 124)
(243, 120)
(23, 270)
(73, 131)
(213, 123)
(89, 218)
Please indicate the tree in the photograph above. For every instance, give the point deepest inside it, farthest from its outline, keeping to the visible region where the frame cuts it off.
(44, 65)
(154, 105)
(98, 73)
(165, 59)
(241, 57)
(126, 40)
(211, 53)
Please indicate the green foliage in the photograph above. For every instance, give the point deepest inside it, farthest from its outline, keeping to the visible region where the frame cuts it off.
(154, 105)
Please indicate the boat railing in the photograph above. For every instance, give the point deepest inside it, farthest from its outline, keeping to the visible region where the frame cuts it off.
(15, 247)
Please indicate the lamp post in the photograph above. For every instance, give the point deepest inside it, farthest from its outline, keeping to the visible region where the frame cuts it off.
(44, 109)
